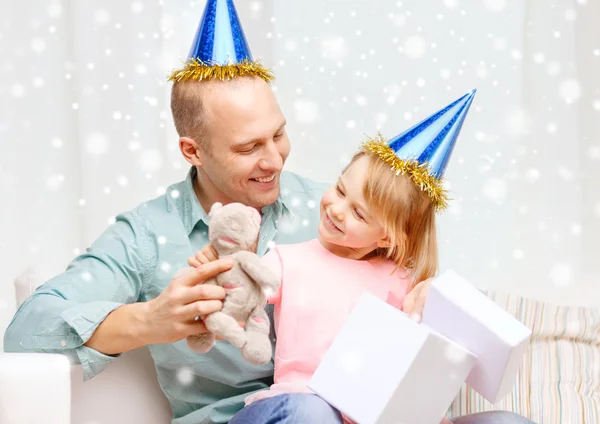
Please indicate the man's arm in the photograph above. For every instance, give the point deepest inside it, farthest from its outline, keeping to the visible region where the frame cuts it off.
(89, 312)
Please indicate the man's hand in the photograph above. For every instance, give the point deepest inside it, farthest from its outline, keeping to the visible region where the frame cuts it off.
(170, 317)
(204, 256)
(414, 301)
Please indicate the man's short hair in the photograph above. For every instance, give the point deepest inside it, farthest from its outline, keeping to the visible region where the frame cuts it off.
(188, 111)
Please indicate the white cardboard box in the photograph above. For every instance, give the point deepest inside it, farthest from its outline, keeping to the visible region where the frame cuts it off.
(462, 313)
(384, 368)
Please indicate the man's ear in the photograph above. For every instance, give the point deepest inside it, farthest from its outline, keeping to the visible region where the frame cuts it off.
(191, 151)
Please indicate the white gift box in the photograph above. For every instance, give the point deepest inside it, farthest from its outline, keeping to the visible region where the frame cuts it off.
(462, 313)
(385, 368)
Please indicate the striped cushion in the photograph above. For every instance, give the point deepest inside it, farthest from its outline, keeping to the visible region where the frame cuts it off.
(559, 379)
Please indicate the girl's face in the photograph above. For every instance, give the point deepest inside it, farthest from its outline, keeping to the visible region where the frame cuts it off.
(347, 227)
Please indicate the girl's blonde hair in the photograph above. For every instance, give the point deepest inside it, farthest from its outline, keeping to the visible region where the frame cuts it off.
(407, 215)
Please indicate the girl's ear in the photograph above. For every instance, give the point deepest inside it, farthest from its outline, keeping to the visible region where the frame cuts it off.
(384, 242)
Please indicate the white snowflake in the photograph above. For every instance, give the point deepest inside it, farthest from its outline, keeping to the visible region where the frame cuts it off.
(57, 143)
(185, 376)
(38, 82)
(165, 266)
(420, 82)
(18, 90)
(76, 251)
(482, 70)
(334, 47)
(495, 5)
(500, 43)
(54, 10)
(134, 145)
(112, 220)
(101, 16)
(570, 90)
(553, 68)
(596, 104)
(399, 19)
(86, 276)
(532, 175)
(81, 202)
(96, 144)
(451, 4)
(38, 45)
(306, 111)
(174, 194)
(576, 229)
(117, 115)
(137, 7)
(539, 57)
(565, 173)
(150, 160)
(518, 254)
(518, 122)
(551, 127)
(161, 240)
(351, 362)
(570, 15)
(122, 180)
(495, 189)
(594, 152)
(350, 124)
(455, 353)
(561, 274)
(54, 182)
(361, 100)
(415, 46)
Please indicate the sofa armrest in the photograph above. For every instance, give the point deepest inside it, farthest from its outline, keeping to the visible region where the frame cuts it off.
(35, 388)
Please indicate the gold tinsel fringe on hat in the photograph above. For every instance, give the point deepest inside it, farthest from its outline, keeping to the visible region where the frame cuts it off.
(198, 70)
(418, 172)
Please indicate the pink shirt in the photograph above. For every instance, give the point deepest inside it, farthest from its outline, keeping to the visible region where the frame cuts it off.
(318, 290)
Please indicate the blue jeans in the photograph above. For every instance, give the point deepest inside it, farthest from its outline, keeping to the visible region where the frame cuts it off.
(301, 408)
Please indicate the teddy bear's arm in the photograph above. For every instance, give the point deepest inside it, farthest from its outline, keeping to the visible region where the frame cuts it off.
(253, 266)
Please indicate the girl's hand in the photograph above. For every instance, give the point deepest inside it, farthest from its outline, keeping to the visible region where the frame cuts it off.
(204, 256)
(414, 301)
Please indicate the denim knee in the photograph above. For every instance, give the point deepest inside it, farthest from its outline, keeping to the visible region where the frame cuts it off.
(306, 408)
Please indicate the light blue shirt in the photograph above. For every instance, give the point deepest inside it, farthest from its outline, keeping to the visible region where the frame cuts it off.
(134, 260)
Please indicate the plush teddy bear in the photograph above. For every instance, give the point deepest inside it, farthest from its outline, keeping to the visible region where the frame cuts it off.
(233, 232)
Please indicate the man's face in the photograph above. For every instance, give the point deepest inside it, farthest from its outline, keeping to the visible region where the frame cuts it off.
(246, 144)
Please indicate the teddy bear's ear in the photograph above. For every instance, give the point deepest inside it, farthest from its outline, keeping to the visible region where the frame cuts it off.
(215, 207)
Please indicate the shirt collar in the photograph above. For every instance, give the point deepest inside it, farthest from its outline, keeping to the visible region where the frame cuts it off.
(192, 212)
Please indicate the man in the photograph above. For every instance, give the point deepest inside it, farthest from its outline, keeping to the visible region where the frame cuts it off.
(122, 294)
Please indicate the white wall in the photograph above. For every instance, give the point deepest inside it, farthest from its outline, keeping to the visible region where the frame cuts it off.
(524, 174)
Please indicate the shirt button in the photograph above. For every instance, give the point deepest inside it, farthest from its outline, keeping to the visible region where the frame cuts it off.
(63, 343)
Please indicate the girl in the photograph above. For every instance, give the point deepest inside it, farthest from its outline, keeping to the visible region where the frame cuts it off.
(377, 234)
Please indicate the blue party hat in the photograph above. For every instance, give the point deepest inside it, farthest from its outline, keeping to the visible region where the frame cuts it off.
(422, 152)
(220, 50)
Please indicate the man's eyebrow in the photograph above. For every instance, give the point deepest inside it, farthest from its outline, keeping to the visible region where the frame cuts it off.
(257, 139)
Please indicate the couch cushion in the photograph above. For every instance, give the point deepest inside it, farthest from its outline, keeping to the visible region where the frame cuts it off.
(559, 379)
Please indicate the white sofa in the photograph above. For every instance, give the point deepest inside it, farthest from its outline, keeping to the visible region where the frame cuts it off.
(126, 392)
